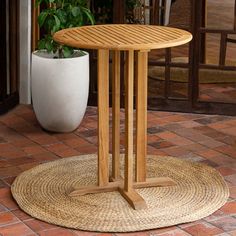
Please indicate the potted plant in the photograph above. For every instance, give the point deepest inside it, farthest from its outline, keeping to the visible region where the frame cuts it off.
(60, 74)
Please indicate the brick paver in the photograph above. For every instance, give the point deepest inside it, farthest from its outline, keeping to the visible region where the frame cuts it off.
(195, 137)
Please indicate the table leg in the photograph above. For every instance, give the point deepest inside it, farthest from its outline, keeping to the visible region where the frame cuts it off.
(103, 117)
(128, 192)
(116, 115)
(129, 85)
(141, 116)
(126, 187)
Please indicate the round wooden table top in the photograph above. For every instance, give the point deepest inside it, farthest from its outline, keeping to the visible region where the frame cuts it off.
(122, 37)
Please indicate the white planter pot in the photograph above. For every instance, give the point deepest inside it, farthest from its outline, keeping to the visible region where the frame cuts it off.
(59, 90)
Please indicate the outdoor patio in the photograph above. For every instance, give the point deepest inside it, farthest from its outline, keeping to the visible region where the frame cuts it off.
(196, 137)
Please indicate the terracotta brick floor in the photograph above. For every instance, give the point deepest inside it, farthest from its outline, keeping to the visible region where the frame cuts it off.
(199, 138)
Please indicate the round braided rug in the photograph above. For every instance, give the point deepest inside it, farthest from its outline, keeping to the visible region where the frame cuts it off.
(41, 192)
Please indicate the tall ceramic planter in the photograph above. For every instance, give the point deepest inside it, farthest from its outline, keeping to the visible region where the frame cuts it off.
(59, 90)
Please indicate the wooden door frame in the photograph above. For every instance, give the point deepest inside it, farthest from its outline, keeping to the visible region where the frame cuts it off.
(3, 52)
(9, 89)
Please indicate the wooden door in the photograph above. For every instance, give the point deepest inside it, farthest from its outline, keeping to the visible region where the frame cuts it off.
(201, 76)
(215, 60)
(170, 70)
(182, 78)
(9, 58)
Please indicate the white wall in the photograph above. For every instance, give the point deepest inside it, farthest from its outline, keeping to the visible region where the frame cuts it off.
(25, 51)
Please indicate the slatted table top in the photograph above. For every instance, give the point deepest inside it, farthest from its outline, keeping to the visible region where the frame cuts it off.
(122, 37)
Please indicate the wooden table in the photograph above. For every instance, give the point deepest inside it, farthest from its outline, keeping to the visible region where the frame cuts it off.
(133, 40)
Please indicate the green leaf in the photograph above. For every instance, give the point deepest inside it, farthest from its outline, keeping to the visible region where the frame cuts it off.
(42, 17)
(67, 51)
(49, 24)
(75, 11)
(89, 14)
(70, 26)
(41, 44)
(49, 46)
(57, 24)
(61, 14)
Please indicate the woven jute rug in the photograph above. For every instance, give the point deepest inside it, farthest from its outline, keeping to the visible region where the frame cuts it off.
(42, 193)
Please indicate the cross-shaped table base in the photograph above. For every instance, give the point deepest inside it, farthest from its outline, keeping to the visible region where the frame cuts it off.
(132, 197)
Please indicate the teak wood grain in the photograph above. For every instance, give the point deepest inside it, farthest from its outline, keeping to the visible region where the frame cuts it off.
(103, 117)
(116, 115)
(138, 203)
(129, 87)
(123, 37)
(141, 116)
(133, 39)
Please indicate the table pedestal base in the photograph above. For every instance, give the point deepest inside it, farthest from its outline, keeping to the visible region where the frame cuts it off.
(132, 197)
